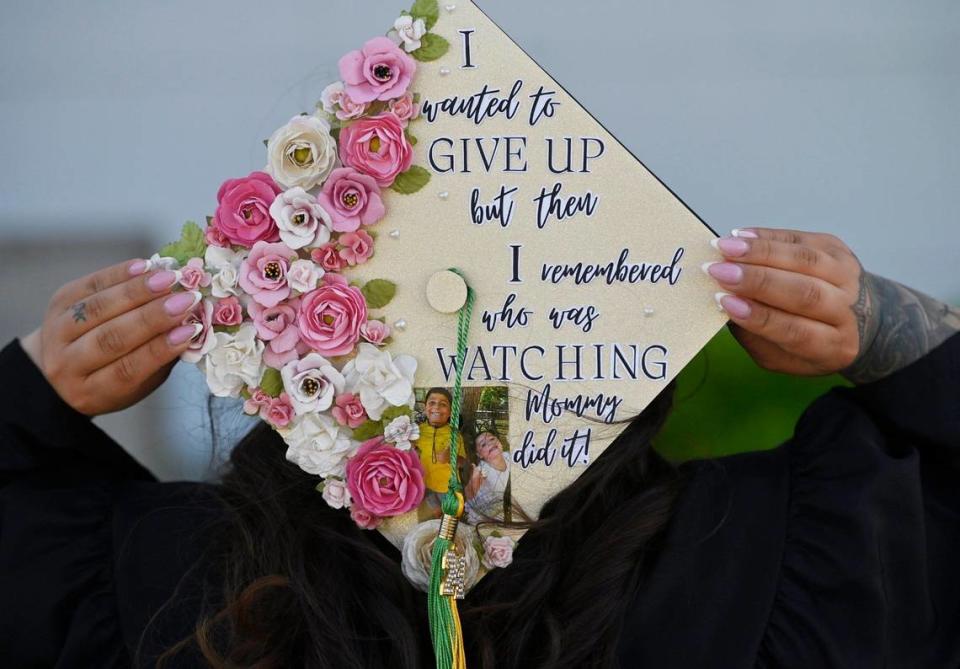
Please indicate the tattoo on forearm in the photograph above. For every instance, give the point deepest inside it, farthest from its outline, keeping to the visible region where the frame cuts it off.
(79, 312)
(897, 326)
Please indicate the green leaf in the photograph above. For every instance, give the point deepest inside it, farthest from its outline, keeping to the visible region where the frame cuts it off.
(272, 383)
(378, 292)
(410, 137)
(428, 10)
(395, 412)
(432, 47)
(368, 430)
(319, 487)
(411, 181)
(191, 244)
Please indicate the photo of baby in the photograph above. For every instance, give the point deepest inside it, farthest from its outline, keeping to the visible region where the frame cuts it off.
(483, 460)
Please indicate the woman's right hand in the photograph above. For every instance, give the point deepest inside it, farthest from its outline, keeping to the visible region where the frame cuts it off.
(110, 338)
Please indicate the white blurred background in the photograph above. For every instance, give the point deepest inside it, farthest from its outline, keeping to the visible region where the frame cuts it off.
(120, 119)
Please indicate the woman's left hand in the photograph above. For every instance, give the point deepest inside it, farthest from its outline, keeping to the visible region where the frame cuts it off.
(794, 298)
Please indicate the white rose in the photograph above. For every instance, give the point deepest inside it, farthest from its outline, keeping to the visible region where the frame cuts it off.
(302, 222)
(223, 264)
(401, 431)
(234, 361)
(311, 383)
(303, 275)
(318, 445)
(408, 32)
(418, 553)
(335, 493)
(301, 153)
(379, 379)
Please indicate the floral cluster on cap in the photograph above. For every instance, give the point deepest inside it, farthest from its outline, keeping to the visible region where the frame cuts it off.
(281, 324)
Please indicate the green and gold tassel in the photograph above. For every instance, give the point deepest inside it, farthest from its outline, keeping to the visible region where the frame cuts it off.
(448, 567)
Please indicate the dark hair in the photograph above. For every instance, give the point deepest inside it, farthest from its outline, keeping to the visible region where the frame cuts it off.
(439, 391)
(305, 587)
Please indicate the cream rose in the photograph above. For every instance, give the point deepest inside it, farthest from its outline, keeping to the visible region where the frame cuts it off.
(311, 383)
(301, 153)
(418, 553)
(234, 361)
(408, 32)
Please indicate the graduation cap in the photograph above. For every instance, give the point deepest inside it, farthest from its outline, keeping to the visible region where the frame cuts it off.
(446, 291)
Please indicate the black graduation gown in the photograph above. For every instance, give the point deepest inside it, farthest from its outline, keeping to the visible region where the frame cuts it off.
(838, 548)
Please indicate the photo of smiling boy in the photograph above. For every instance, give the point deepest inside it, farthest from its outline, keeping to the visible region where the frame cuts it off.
(434, 449)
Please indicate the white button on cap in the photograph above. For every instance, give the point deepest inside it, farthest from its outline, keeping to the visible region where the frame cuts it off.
(446, 291)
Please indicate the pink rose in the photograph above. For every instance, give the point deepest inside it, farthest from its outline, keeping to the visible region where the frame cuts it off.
(384, 480)
(364, 519)
(278, 411)
(215, 236)
(497, 552)
(277, 326)
(378, 71)
(357, 247)
(404, 107)
(192, 275)
(376, 146)
(330, 316)
(258, 400)
(243, 209)
(352, 199)
(228, 311)
(263, 273)
(348, 410)
(204, 340)
(328, 258)
(375, 332)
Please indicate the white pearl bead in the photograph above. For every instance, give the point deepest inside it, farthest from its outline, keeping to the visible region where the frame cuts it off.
(648, 311)
(443, 195)
(450, 8)
(400, 324)
(395, 234)
(444, 71)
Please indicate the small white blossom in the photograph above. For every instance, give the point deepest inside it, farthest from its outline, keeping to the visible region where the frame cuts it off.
(335, 493)
(408, 31)
(401, 431)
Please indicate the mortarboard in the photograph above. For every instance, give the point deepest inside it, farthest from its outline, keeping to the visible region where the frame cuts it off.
(450, 261)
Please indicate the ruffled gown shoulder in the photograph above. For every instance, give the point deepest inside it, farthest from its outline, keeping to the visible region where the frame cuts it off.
(838, 549)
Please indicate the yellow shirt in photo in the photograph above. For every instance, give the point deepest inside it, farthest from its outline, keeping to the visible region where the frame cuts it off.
(435, 442)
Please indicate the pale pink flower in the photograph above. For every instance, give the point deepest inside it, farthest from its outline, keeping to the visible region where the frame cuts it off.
(330, 317)
(258, 399)
(378, 71)
(328, 258)
(356, 247)
(278, 411)
(193, 276)
(404, 108)
(277, 326)
(348, 410)
(497, 551)
(375, 332)
(352, 199)
(377, 146)
(336, 101)
(228, 311)
(263, 273)
(243, 210)
(204, 340)
(335, 493)
(364, 519)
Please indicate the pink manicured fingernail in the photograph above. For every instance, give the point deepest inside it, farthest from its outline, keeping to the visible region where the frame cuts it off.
(137, 267)
(724, 272)
(181, 334)
(744, 234)
(162, 280)
(180, 302)
(730, 246)
(732, 304)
